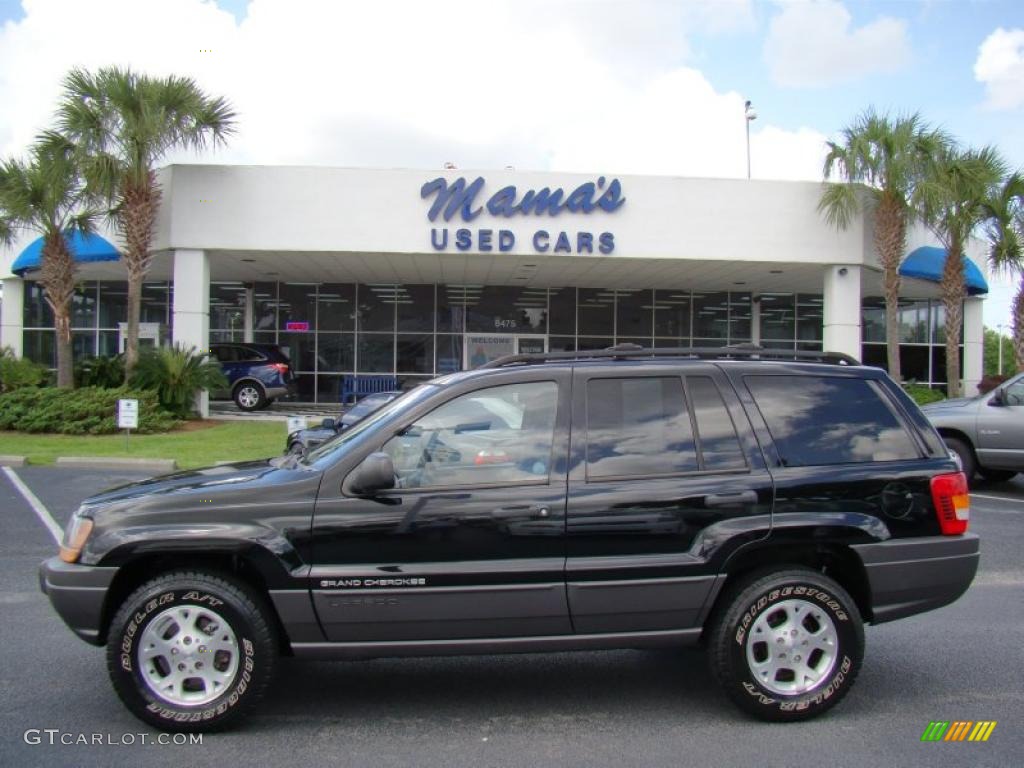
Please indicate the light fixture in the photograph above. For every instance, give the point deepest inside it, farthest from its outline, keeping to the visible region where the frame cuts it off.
(749, 114)
(842, 271)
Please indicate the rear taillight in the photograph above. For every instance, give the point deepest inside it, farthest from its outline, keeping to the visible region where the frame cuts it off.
(282, 368)
(952, 502)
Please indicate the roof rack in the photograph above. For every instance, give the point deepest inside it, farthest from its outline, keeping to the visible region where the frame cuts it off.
(631, 351)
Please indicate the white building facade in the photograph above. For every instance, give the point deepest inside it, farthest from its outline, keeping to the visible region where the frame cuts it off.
(408, 274)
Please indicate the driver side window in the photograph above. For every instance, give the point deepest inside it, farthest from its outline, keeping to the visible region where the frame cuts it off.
(1014, 394)
(495, 435)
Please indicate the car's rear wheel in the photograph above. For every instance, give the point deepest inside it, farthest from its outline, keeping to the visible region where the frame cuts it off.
(249, 396)
(191, 651)
(966, 454)
(997, 475)
(786, 645)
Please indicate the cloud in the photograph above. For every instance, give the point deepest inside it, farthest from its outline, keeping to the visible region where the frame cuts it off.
(597, 86)
(1000, 66)
(812, 44)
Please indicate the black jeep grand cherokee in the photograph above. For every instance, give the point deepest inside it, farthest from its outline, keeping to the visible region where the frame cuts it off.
(765, 507)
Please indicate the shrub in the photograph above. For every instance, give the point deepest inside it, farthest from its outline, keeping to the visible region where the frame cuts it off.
(923, 395)
(988, 383)
(85, 411)
(19, 372)
(176, 374)
(105, 372)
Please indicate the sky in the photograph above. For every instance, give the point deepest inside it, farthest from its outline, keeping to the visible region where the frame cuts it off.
(620, 86)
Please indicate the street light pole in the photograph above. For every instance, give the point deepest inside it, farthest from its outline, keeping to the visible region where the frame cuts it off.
(749, 115)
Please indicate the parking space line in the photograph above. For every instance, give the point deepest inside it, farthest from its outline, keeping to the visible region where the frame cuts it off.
(995, 498)
(37, 506)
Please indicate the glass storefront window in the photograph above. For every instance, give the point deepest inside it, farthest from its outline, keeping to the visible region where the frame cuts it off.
(711, 316)
(913, 321)
(83, 306)
(507, 309)
(414, 353)
(328, 388)
(296, 303)
(593, 342)
(156, 305)
(595, 312)
(300, 348)
(872, 319)
(264, 310)
(336, 352)
(108, 341)
(39, 348)
(562, 311)
(415, 308)
(739, 318)
(83, 344)
(449, 354)
(376, 311)
(672, 316)
(375, 353)
(113, 303)
(36, 312)
(451, 307)
(634, 312)
(778, 316)
(810, 317)
(336, 307)
(227, 306)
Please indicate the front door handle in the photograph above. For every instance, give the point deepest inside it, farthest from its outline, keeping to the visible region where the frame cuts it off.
(731, 499)
(540, 511)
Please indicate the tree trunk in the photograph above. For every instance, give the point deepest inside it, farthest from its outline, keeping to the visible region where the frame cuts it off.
(57, 276)
(1018, 326)
(890, 242)
(954, 290)
(137, 219)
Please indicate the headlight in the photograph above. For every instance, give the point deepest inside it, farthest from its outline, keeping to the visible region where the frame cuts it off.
(75, 536)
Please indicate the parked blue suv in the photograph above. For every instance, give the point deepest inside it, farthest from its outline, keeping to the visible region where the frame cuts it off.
(257, 373)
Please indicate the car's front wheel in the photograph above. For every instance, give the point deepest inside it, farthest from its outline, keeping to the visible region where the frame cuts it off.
(787, 645)
(191, 651)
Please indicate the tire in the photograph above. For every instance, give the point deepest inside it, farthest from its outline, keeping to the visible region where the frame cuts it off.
(249, 396)
(224, 612)
(966, 454)
(997, 475)
(761, 607)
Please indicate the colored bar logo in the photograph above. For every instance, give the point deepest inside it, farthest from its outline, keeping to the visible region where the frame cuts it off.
(958, 730)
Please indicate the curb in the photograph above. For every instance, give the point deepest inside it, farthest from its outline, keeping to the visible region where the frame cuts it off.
(112, 462)
(13, 461)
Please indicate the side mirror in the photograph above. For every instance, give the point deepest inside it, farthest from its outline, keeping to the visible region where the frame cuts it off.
(375, 473)
(998, 398)
(327, 424)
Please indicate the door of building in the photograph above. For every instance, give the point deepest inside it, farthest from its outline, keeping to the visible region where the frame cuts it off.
(481, 348)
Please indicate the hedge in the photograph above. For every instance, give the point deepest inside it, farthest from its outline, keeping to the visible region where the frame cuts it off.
(85, 411)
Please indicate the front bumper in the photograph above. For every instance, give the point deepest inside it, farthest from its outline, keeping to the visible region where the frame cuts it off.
(914, 575)
(77, 593)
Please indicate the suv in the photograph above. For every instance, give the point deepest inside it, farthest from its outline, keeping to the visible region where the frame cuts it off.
(986, 432)
(257, 373)
(764, 504)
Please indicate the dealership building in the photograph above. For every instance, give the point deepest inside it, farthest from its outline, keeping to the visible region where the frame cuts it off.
(408, 274)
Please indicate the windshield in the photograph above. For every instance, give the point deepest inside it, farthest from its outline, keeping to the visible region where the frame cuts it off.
(399, 404)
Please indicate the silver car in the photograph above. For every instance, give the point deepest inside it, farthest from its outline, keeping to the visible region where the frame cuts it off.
(986, 432)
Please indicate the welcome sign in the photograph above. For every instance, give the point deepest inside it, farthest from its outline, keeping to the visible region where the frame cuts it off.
(462, 199)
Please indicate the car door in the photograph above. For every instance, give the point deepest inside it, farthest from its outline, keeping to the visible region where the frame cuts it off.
(471, 542)
(662, 465)
(1001, 427)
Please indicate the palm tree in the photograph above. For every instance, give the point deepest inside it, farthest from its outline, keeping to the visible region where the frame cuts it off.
(125, 122)
(881, 162)
(46, 195)
(1005, 211)
(953, 202)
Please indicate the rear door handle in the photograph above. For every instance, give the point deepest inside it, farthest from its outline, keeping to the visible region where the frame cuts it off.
(540, 511)
(731, 499)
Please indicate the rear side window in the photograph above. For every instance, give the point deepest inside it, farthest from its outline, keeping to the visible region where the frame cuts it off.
(249, 355)
(224, 354)
(719, 446)
(819, 420)
(638, 427)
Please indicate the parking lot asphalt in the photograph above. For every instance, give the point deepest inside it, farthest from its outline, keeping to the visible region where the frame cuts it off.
(614, 708)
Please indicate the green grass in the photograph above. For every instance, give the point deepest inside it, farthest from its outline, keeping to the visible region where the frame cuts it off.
(190, 447)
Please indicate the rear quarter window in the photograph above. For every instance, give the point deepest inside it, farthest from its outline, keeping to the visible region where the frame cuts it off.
(822, 420)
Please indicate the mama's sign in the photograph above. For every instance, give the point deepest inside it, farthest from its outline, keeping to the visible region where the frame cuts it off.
(458, 198)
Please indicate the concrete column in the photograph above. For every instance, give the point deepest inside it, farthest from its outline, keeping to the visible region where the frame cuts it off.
(974, 345)
(12, 315)
(192, 307)
(250, 304)
(755, 320)
(841, 292)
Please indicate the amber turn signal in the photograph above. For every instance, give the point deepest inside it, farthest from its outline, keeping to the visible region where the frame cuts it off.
(75, 538)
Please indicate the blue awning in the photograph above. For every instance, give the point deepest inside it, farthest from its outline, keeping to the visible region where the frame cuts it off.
(927, 262)
(84, 248)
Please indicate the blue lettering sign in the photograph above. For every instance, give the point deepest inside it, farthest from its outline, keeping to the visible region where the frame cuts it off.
(506, 240)
(463, 239)
(459, 198)
(562, 244)
(484, 240)
(606, 242)
(540, 241)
